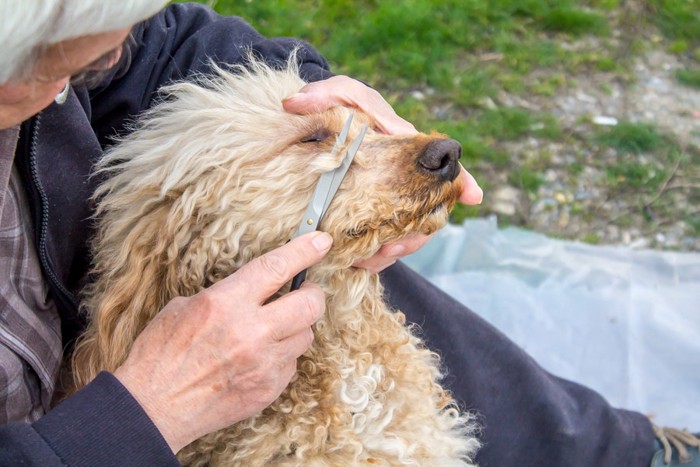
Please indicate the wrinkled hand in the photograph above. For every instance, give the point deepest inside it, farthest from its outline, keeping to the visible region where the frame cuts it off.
(223, 355)
(343, 90)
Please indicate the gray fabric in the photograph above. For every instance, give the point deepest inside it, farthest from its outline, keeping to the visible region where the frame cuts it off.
(30, 336)
(8, 143)
(529, 417)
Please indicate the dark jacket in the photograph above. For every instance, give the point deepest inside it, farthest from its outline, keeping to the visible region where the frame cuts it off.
(102, 424)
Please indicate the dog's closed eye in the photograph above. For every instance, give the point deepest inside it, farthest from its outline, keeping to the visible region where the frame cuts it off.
(317, 136)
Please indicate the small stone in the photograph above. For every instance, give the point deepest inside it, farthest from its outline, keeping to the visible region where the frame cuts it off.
(505, 200)
(639, 243)
(551, 175)
(604, 120)
(488, 103)
(626, 238)
(563, 220)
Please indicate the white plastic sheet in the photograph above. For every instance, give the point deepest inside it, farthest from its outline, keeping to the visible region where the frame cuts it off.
(623, 322)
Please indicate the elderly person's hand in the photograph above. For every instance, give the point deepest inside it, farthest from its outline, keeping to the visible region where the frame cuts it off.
(224, 354)
(342, 90)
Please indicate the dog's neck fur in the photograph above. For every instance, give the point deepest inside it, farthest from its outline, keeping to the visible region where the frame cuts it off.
(340, 394)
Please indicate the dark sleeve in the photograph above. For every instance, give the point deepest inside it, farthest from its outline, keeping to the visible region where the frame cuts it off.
(101, 425)
(182, 40)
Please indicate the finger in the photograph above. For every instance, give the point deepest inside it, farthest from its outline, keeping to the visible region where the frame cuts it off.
(294, 312)
(266, 274)
(295, 345)
(286, 374)
(389, 253)
(471, 193)
(407, 246)
(375, 264)
(308, 100)
(342, 90)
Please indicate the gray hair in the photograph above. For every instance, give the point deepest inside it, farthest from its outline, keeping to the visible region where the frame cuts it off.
(27, 26)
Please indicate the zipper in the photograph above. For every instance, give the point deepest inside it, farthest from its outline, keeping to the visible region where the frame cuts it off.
(43, 223)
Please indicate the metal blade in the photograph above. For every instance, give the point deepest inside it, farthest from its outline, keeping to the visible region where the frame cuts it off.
(339, 173)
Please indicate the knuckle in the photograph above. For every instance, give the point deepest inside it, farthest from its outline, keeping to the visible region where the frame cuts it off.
(275, 266)
(256, 332)
(205, 300)
(307, 339)
(247, 356)
(180, 302)
(313, 305)
(413, 247)
(343, 80)
(271, 329)
(253, 354)
(272, 392)
(373, 93)
(286, 372)
(273, 382)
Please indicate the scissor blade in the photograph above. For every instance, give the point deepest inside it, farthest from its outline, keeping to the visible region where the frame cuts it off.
(343, 134)
(325, 190)
(314, 210)
(339, 173)
(329, 182)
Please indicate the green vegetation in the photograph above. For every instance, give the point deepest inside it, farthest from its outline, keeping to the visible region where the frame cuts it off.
(678, 19)
(574, 21)
(526, 178)
(633, 137)
(429, 42)
(694, 222)
(689, 77)
(591, 238)
(463, 51)
(634, 174)
(464, 67)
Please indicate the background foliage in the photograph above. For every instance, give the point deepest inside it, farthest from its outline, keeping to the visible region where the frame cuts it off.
(446, 65)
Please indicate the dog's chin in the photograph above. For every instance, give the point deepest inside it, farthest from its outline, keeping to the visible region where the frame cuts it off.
(434, 220)
(420, 212)
(365, 239)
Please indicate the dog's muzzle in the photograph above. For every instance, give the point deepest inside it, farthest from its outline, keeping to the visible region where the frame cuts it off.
(440, 159)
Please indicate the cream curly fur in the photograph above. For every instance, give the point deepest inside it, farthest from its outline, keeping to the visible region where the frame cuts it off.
(218, 174)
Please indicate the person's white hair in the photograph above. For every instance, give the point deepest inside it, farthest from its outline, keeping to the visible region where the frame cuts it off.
(27, 26)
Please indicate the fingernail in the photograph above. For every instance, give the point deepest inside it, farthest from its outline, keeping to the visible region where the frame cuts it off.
(395, 250)
(322, 242)
(481, 196)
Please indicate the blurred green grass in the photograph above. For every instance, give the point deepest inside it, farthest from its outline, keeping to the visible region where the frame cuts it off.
(443, 63)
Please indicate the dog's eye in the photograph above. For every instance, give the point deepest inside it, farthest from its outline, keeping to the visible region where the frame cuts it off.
(317, 136)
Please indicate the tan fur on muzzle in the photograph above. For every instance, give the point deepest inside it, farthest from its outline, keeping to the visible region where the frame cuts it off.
(218, 174)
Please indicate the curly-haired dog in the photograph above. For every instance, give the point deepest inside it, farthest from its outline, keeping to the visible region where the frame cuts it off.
(216, 175)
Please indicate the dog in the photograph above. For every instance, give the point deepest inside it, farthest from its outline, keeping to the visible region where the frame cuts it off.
(217, 174)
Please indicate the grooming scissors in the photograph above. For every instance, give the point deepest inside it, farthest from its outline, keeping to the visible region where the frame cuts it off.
(326, 188)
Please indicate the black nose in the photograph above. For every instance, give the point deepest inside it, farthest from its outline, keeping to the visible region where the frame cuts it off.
(440, 158)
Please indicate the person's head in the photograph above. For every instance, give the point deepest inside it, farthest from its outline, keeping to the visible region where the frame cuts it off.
(45, 42)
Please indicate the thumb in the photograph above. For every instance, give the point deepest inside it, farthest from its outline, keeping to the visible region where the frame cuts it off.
(266, 274)
(472, 193)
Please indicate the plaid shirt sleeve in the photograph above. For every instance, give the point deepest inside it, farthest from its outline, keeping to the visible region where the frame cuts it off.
(30, 336)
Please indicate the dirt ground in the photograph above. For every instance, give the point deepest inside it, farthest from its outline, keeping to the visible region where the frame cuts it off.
(587, 206)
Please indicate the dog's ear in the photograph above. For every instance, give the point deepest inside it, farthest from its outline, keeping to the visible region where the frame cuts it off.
(136, 281)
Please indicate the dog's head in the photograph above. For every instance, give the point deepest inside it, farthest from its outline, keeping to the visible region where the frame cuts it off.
(223, 174)
(396, 185)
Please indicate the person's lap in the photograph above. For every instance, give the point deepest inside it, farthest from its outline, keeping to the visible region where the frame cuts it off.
(528, 416)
